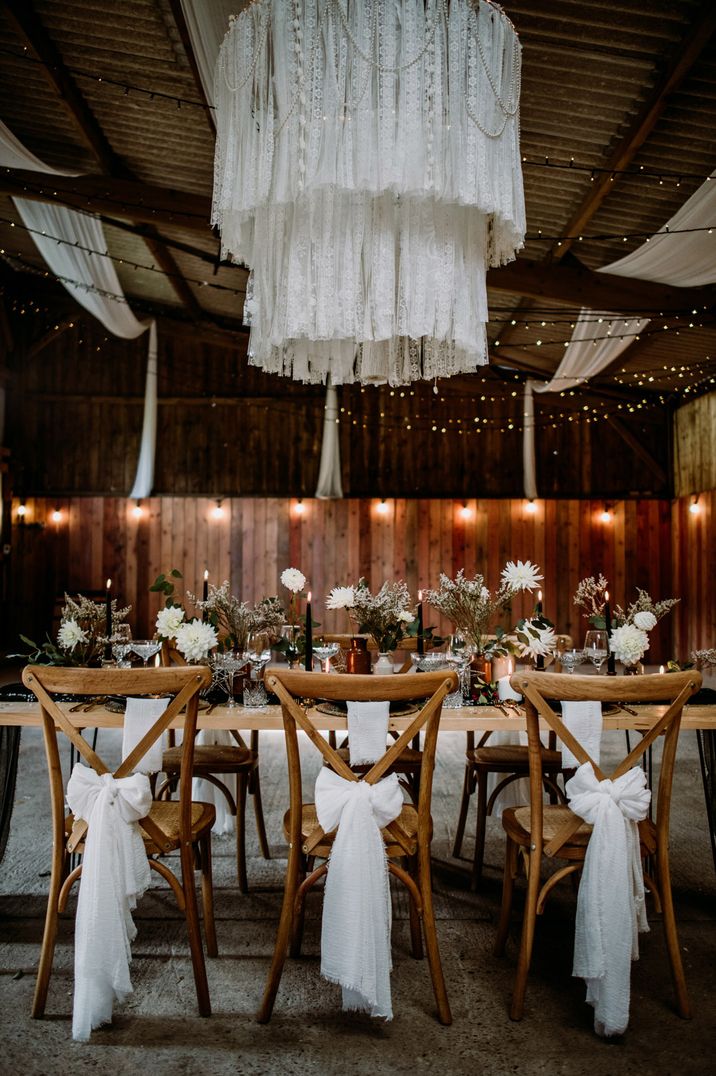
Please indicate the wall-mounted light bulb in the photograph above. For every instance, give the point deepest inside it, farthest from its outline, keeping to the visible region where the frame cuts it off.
(466, 511)
(218, 510)
(382, 507)
(137, 510)
(300, 507)
(531, 507)
(22, 510)
(56, 516)
(695, 507)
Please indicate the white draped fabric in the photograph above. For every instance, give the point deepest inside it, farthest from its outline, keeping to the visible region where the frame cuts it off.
(367, 168)
(206, 25)
(683, 260)
(355, 933)
(115, 873)
(144, 478)
(329, 470)
(14, 155)
(610, 903)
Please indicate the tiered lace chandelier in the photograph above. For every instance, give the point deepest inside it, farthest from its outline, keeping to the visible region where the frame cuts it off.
(368, 171)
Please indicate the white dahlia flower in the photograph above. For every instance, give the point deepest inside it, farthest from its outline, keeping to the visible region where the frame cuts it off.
(521, 576)
(628, 643)
(168, 621)
(293, 580)
(645, 620)
(70, 634)
(195, 639)
(341, 598)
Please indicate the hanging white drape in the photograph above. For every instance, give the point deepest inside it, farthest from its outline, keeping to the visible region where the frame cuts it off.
(144, 478)
(14, 155)
(59, 234)
(207, 24)
(329, 471)
(683, 260)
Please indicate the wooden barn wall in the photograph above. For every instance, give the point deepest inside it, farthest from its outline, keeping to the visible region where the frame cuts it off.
(694, 572)
(695, 446)
(336, 542)
(225, 429)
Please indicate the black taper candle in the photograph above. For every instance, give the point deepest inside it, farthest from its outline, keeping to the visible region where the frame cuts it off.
(108, 619)
(538, 610)
(421, 636)
(205, 593)
(611, 659)
(309, 636)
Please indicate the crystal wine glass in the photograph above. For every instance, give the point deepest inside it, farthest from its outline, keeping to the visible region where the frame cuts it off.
(596, 647)
(122, 645)
(146, 648)
(570, 659)
(324, 652)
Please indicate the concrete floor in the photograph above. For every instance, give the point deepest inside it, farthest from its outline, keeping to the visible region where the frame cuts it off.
(158, 1026)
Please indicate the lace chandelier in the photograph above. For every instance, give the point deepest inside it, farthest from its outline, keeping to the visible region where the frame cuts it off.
(368, 171)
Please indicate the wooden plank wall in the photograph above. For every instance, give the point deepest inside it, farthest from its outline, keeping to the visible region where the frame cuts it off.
(336, 542)
(695, 446)
(694, 572)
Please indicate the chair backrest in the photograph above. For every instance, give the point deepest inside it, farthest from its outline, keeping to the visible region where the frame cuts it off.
(540, 688)
(429, 689)
(183, 684)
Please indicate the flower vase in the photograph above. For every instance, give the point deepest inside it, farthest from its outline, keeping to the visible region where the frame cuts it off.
(383, 665)
(631, 670)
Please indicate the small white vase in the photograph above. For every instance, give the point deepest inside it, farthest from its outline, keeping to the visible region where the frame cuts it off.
(383, 665)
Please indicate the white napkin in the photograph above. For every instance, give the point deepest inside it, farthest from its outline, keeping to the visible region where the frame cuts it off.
(355, 934)
(140, 715)
(584, 721)
(115, 872)
(206, 792)
(610, 904)
(367, 730)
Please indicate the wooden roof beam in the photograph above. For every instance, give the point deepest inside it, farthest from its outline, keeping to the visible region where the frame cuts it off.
(31, 30)
(683, 58)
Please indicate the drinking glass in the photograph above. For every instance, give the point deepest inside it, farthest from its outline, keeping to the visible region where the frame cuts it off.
(146, 648)
(255, 694)
(226, 666)
(570, 659)
(122, 645)
(596, 647)
(324, 652)
(289, 632)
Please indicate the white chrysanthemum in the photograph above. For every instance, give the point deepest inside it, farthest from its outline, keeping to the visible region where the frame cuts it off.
(540, 641)
(645, 620)
(341, 598)
(168, 621)
(70, 634)
(521, 576)
(628, 643)
(293, 580)
(406, 617)
(195, 639)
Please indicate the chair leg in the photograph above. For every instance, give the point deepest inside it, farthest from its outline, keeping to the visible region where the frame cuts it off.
(508, 885)
(49, 937)
(416, 934)
(191, 911)
(480, 827)
(207, 895)
(241, 832)
(283, 935)
(462, 817)
(527, 941)
(431, 937)
(255, 789)
(672, 939)
(299, 914)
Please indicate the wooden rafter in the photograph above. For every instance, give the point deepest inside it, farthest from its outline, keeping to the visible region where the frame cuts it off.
(180, 22)
(636, 446)
(683, 58)
(31, 30)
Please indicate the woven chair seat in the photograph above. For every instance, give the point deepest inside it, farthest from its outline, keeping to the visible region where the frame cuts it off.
(211, 758)
(407, 819)
(409, 761)
(165, 814)
(511, 758)
(516, 821)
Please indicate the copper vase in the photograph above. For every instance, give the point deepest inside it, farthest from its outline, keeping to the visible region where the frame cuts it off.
(357, 657)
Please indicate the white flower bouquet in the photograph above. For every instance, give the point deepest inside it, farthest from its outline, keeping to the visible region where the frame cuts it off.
(82, 636)
(384, 615)
(236, 621)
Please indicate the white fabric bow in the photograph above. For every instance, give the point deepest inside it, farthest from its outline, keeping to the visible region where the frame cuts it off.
(610, 905)
(355, 935)
(115, 872)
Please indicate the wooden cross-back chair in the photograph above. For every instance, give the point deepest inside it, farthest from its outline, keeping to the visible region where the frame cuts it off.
(407, 838)
(556, 832)
(211, 762)
(180, 825)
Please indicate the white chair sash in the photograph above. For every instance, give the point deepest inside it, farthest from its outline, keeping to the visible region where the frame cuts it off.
(610, 904)
(355, 936)
(115, 872)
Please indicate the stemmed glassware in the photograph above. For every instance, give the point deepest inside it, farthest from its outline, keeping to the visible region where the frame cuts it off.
(122, 645)
(146, 648)
(289, 632)
(324, 652)
(458, 653)
(596, 647)
(225, 667)
(570, 659)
